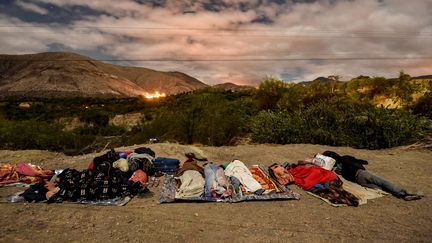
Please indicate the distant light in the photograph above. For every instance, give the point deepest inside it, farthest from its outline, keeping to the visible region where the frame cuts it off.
(154, 95)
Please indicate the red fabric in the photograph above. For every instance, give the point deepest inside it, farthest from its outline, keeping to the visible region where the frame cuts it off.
(8, 174)
(307, 177)
(22, 172)
(91, 166)
(33, 171)
(139, 176)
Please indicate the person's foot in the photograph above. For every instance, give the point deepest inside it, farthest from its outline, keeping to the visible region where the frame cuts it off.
(411, 197)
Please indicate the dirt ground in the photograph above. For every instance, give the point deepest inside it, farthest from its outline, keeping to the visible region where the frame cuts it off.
(309, 219)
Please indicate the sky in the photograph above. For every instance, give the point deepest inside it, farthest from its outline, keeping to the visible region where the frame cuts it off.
(236, 41)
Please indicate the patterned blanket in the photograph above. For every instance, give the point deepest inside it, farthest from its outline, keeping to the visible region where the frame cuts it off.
(168, 193)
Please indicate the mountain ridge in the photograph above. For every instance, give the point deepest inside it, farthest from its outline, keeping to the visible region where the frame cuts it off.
(64, 74)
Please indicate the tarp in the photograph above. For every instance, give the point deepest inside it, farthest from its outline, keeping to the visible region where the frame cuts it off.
(118, 201)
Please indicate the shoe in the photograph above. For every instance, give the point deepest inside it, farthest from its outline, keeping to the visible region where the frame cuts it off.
(411, 197)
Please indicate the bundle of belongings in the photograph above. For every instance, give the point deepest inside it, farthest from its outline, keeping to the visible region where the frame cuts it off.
(111, 179)
(231, 182)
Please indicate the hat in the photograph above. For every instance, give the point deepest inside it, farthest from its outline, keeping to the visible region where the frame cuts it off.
(195, 153)
(121, 164)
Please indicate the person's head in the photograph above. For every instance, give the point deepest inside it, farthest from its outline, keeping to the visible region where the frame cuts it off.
(332, 154)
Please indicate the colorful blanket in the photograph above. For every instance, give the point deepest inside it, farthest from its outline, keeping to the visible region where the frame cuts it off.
(24, 173)
(168, 193)
(266, 182)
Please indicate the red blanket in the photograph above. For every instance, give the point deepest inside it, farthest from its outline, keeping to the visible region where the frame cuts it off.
(307, 177)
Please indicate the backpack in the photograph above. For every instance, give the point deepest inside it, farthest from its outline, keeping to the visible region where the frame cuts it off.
(141, 162)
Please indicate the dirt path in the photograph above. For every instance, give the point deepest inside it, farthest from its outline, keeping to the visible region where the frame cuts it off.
(306, 220)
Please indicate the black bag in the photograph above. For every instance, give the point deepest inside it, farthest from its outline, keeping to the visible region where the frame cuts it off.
(143, 164)
(145, 150)
(110, 156)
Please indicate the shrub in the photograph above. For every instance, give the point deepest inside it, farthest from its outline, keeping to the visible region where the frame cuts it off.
(359, 126)
(424, 106)
(40, 135)
(209, 117)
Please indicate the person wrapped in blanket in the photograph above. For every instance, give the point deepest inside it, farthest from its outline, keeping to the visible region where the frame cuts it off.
(108, 177)
(231, 180)
(190, 176)
(316, 180)
(211, 180)
(353, 169)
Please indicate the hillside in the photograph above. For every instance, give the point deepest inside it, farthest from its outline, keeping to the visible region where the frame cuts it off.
(60, 74)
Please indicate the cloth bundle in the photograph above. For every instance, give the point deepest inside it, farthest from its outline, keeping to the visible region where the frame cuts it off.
(23, 173)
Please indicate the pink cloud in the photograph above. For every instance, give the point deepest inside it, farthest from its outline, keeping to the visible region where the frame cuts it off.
(323, 29)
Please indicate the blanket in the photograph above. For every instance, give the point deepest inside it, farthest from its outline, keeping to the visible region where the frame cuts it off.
(22, 173)
(168, 193)
(362, 193)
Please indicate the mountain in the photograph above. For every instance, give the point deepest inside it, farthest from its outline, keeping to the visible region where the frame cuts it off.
(232, 87)
(423, 77)
(62, 74)
(323, 79)
(319, 79)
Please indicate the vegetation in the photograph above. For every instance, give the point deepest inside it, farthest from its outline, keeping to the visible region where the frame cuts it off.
(359, 126)
(365, 112)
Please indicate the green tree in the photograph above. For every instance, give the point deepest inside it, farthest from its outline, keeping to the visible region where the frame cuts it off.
(269, 92)
(405, 88)
(292, 98)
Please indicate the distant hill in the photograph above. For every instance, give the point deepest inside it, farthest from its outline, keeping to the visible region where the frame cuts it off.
(233, 87)
(423, 77)
(62, 74)
(319, 79)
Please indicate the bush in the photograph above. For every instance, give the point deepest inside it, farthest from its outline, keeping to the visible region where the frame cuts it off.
(40, 135)
(209, 117)
(424, 106)
(359, 126)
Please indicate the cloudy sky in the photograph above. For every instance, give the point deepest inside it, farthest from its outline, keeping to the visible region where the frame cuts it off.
(235, 41)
